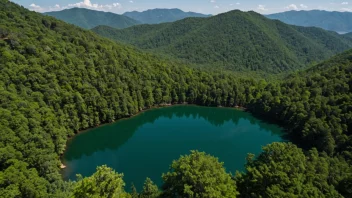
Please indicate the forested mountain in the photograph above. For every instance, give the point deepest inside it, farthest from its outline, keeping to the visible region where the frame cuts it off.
(236, 40)
(348, 35)
(156, 16)
(57, 79)
(314, 104)
(88, 19)
(334, 21)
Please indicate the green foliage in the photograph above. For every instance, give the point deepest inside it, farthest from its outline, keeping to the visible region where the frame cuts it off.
(334, 21)
(57, 79)
(134, 193)
(283, 170)
(168, 15)
(104, 183)
(150, 190)
(238, 41)
(17, 180)
(198, 175)
(345, 187)
(315, 106)
(88, 19)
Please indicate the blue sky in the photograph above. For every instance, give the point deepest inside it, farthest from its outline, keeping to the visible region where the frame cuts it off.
(202, 6)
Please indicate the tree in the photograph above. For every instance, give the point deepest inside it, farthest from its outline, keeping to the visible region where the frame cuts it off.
(134, 193)
(103, 183)
(150, 190)
(345, 187)
(198, 175)
(283, 170)
(17, 180)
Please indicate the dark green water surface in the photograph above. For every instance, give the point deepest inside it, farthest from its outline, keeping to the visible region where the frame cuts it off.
(145, 145)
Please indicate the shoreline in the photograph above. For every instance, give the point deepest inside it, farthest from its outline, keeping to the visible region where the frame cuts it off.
(149, 109)
(63, 166)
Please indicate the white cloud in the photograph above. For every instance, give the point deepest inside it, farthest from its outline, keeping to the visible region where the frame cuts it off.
(344, 3)
(262, 8)
(303, 6)
(235, 4)
(116, 5)
(346, 10)
(83, 4)
(56, 7)
(212, 1)
(131, 1)
(35, 7)
(292, 7)
(216, 7)
(95, 6)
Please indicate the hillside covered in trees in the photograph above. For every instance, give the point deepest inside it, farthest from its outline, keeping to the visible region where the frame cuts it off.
(156, 16)
(89, 19)
(333, 21)
(236, 40)
(57, 79)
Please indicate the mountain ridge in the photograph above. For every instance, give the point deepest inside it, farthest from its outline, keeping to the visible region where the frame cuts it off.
(243, 41)
(153, 16)
(329, 20)
(87, 18)
(57, 79)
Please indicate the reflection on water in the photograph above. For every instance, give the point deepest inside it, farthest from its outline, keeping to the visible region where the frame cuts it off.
(145, 145)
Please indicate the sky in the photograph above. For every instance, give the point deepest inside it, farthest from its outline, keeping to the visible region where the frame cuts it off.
(201, 6)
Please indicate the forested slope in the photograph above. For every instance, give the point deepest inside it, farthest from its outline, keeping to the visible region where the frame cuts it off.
(57, 79)
(236, 40)
(315, 104)
(88, 19)
(348, 35)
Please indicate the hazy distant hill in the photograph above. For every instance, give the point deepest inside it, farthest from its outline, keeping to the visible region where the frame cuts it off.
(334, 21)
(156, 16)
(348, 35)
(88, 19)
(235, 40)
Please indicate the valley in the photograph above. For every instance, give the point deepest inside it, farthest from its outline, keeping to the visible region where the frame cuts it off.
(59, 78)
(156, 137)
(244, 41)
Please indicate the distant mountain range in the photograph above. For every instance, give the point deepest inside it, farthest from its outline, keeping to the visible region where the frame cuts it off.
(236, 40)
(156, 16)
(335, 21)
(348, 35)
(88, 19)
(340, 22)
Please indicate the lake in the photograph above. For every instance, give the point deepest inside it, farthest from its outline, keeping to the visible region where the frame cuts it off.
(145, 145)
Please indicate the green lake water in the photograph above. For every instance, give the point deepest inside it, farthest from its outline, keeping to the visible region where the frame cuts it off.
(145, 145)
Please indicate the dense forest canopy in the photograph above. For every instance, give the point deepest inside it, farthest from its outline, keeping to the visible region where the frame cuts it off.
(238, 41)
(89, 19)
(57, 79)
